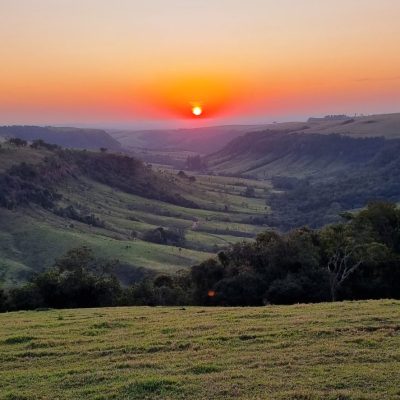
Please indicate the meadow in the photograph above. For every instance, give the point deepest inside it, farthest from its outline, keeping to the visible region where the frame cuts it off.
(338, 351)
(32, 237)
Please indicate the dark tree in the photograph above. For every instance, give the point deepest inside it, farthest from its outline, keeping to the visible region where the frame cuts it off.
(249, 192)
(17, 142)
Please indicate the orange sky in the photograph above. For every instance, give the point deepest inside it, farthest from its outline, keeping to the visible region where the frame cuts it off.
(102, 62)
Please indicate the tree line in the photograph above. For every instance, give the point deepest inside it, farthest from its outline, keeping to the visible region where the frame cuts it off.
(358, 258)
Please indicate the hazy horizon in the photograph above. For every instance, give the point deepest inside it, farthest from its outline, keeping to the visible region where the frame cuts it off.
(188, 124)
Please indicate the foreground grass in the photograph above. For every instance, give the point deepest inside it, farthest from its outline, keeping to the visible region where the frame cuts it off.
(343, 351)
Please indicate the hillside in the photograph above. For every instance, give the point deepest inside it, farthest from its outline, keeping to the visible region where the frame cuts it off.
(210, 139)
(387, 125)
(52, 200)
(172, 146)
(285, 153)
(199, 140)
(315, 176)
(318, 201)
(66, 137)
(346, 351)
(318, 146)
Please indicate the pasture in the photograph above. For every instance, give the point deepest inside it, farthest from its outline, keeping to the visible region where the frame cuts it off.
(340, 351)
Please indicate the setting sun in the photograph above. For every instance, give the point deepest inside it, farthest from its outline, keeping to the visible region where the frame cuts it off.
(197, 111)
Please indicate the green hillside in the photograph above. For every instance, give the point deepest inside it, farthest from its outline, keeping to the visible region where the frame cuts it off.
(346, 351)
(288, 153)
(54, 200)
(315, 177)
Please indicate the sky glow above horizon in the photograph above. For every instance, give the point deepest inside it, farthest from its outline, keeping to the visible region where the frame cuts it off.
(132, 63)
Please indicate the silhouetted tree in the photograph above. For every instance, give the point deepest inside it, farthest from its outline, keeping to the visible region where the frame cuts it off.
(17, 142)
(249, 192)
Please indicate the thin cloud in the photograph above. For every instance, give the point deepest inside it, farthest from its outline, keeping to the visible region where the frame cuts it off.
(393, 78)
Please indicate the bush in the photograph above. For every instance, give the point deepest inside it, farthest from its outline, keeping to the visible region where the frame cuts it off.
(27, 297)
(72, 213)
(39, 143)
(17, 142)
(3, 300)
(76, 280)
(160, 235)
(249, 192)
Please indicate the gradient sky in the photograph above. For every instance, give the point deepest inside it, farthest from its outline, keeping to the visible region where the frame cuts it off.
(142, 63)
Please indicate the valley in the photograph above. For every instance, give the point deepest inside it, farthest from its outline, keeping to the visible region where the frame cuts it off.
(159, 215)
(33, 236)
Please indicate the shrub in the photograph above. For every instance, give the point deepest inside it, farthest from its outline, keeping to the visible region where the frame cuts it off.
(249, 192)
(160, 235)
(17, 142)
(39, 143)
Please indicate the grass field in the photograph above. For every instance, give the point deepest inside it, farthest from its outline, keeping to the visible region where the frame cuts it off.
(341, 351)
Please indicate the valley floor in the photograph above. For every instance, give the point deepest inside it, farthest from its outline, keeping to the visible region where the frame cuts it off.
(346, 351)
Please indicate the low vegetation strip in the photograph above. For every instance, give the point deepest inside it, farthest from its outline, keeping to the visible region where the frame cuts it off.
(346, 351)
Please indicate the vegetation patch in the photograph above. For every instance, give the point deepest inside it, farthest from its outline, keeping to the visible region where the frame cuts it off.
(168, 331)
(109, 325)
(204, 369)
(149, 388)
(13, 396)
(247, 337)
(18, 339)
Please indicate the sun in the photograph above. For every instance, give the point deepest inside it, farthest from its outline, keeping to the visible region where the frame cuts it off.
(197, 111)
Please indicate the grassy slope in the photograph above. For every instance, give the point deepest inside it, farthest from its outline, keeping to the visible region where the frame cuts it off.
(29, 243)
(263, 165)
(266, 154)
(346, 351)
(33, 238)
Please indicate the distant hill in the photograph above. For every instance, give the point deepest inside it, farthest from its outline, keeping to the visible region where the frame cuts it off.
(387, 125)
(199, 140)
(273, 153)
(66, 137)
(317, 146)
(211, 139)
